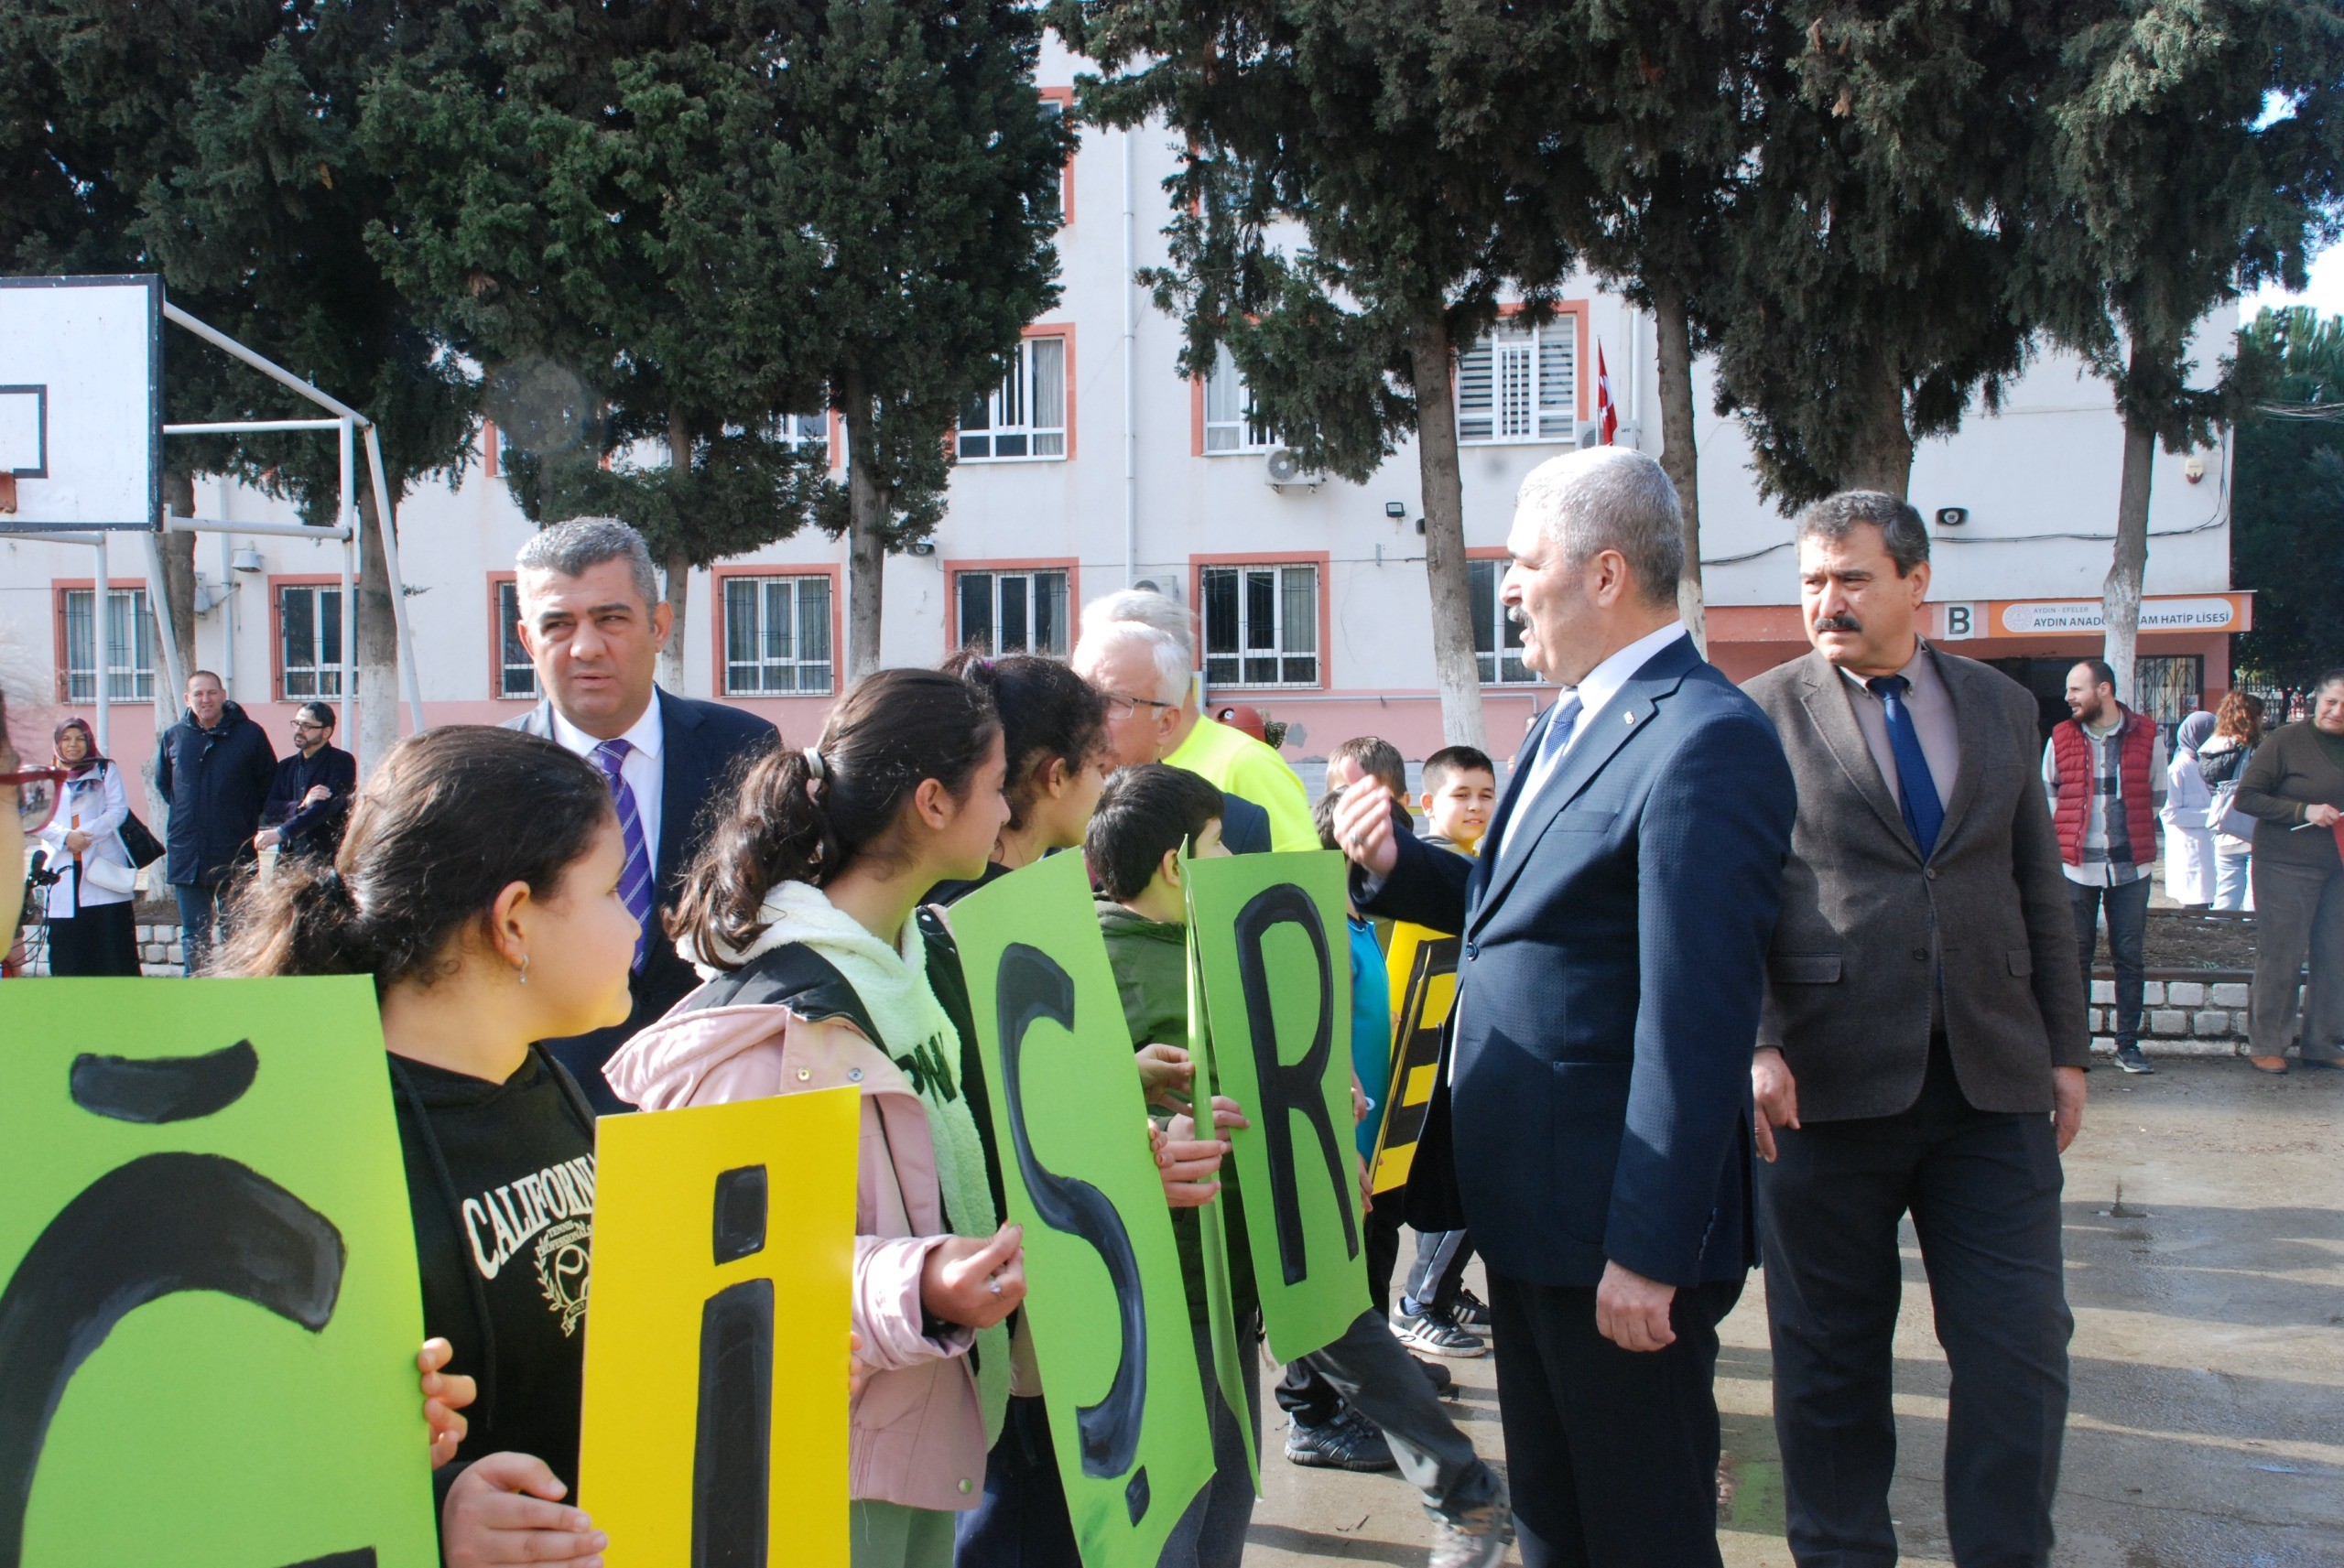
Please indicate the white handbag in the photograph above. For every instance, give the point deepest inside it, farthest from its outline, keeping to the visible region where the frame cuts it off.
(109, 876)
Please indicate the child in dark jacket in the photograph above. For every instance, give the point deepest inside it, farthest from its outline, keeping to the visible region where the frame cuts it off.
(479, 885)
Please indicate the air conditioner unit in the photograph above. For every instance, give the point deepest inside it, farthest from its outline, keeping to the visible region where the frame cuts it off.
(1283, 468)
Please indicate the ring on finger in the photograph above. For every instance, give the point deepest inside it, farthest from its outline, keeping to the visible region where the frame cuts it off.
(992, 1283)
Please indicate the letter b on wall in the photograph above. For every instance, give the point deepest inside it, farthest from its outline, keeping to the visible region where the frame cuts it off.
(715, 1410)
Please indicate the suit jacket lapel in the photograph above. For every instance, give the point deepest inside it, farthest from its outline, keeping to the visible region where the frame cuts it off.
(1600, 739)
(1972, 766)
(1827, 705)
(683, 780)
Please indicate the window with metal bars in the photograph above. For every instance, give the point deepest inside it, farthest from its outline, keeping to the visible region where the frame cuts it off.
(1013, 612)
(1024, 416)
(778, 636)
(130, 645)
(1230, 423)
(1520, 384)
(308, 623)
(1497, 641)
(1261, 625)
(515, 676)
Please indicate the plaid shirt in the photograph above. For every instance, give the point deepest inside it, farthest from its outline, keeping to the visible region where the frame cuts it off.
(2110, 858)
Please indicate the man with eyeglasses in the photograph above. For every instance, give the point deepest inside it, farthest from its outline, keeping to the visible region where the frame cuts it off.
(1138, 647)
(310, 802)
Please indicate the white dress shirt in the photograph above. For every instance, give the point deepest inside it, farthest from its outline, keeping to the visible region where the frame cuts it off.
(641, 770)
(1595, 692)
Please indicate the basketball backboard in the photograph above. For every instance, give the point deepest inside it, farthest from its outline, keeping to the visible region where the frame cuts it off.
(81, 402)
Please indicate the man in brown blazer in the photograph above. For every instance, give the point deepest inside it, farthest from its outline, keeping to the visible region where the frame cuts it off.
(1922, 1050)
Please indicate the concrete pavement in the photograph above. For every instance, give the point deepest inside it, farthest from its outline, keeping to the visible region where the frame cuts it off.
(2208, 1420)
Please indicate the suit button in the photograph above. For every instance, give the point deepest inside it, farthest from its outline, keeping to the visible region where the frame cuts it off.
(1930, 872)
(1920, 955)
(1470, 950)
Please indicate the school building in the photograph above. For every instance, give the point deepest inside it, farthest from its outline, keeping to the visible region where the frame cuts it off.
(1095, 464)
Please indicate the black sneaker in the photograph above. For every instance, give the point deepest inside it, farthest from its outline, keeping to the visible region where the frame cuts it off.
(1471, 1309)
(2128, 1057)
(1444, 1386)
(1346, 1443)
(1429, 1331)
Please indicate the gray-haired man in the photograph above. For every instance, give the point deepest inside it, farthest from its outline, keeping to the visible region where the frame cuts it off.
(595, 623)
(1922, 1050)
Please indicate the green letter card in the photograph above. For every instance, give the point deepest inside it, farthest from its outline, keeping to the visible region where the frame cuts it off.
(1228, 1369)
(210, 1317)
(1105, 1303)
(1271, 947)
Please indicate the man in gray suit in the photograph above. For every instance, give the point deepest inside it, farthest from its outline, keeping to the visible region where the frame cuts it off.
(1920, 1051)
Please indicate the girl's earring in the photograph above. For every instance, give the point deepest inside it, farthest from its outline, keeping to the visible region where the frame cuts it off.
(525, 968)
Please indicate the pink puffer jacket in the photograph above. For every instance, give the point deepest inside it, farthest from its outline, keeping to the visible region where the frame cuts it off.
(916, 1436)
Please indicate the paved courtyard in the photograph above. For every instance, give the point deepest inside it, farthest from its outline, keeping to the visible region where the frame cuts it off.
(2208, 1422)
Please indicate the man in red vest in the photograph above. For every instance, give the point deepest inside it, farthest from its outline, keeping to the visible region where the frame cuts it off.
(2104, 770)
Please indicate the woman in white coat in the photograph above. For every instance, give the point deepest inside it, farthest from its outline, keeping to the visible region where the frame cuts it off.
(91, 929)
(2188, 833)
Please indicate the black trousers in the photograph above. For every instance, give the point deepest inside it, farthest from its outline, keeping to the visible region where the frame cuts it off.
(2127, 909)
(100, 939)
(1612, 1454)
(1303, 1393)
(1983, 1191)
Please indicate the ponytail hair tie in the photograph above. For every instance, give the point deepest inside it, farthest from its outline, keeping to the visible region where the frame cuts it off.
(814, 765)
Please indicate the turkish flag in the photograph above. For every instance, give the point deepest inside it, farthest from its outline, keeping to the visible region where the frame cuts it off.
(1607, 417)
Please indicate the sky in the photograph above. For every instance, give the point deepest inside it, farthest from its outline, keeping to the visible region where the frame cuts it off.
(2325, 293)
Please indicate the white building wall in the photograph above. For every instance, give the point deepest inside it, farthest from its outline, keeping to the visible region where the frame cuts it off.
(2048, 464)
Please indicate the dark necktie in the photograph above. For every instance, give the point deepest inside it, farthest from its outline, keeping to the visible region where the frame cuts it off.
(635, 878)
(1924, 811)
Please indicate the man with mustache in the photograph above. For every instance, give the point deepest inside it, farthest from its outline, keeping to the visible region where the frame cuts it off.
(1920, 1051)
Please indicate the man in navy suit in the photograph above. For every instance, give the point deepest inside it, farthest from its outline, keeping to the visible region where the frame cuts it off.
(595, 622)
(1616, 924)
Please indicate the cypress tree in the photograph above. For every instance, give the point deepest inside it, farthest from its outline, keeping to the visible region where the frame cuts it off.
(2188, 148)
(2287, 520)
(1397, 142)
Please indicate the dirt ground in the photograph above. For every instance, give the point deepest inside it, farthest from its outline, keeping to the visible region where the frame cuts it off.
(2207, 1426)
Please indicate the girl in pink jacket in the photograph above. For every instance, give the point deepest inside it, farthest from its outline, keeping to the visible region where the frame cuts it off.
(800, 914)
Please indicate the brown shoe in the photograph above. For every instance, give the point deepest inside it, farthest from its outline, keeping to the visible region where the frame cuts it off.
(2272, 1065)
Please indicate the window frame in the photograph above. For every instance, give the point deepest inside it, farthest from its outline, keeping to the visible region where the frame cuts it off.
(497, 583)
(719, 611)
(1064, 98)
(1064, 332)
(1497, 680)
(954, 636)
(1571, 314)
(1202, 425)
(315, 581)
(1320, 562)
(61, 590)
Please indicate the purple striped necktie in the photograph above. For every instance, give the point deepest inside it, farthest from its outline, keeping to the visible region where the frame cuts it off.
(634, 881)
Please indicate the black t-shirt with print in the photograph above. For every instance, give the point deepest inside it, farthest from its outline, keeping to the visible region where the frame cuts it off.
(500, 1178)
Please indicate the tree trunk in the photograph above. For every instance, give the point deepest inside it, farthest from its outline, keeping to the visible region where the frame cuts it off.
(2119, 595)
(1883, 458)
(1454, 667)
(866, 551)
(378, 643)
(678, 567)
(1679, 453)
(178, 576)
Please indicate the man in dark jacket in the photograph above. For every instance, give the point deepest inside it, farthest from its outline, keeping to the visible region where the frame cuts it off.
(214, 766)
(595, 623)
(309, 804)
(1922, 1052)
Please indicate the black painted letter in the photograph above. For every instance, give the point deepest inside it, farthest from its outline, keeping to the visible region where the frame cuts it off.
(1299, 1088)
(731, 1455)
(1029, 986)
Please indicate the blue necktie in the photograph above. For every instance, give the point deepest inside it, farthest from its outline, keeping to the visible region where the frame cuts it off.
(1924, 811)
(1547, 760)
(635, 878)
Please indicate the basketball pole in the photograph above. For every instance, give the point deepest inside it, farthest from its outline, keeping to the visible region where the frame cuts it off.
(348, 516)
(102, 642)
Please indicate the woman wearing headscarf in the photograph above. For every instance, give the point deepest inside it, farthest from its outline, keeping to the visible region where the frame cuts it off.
(2189, 834)
(90, 926)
